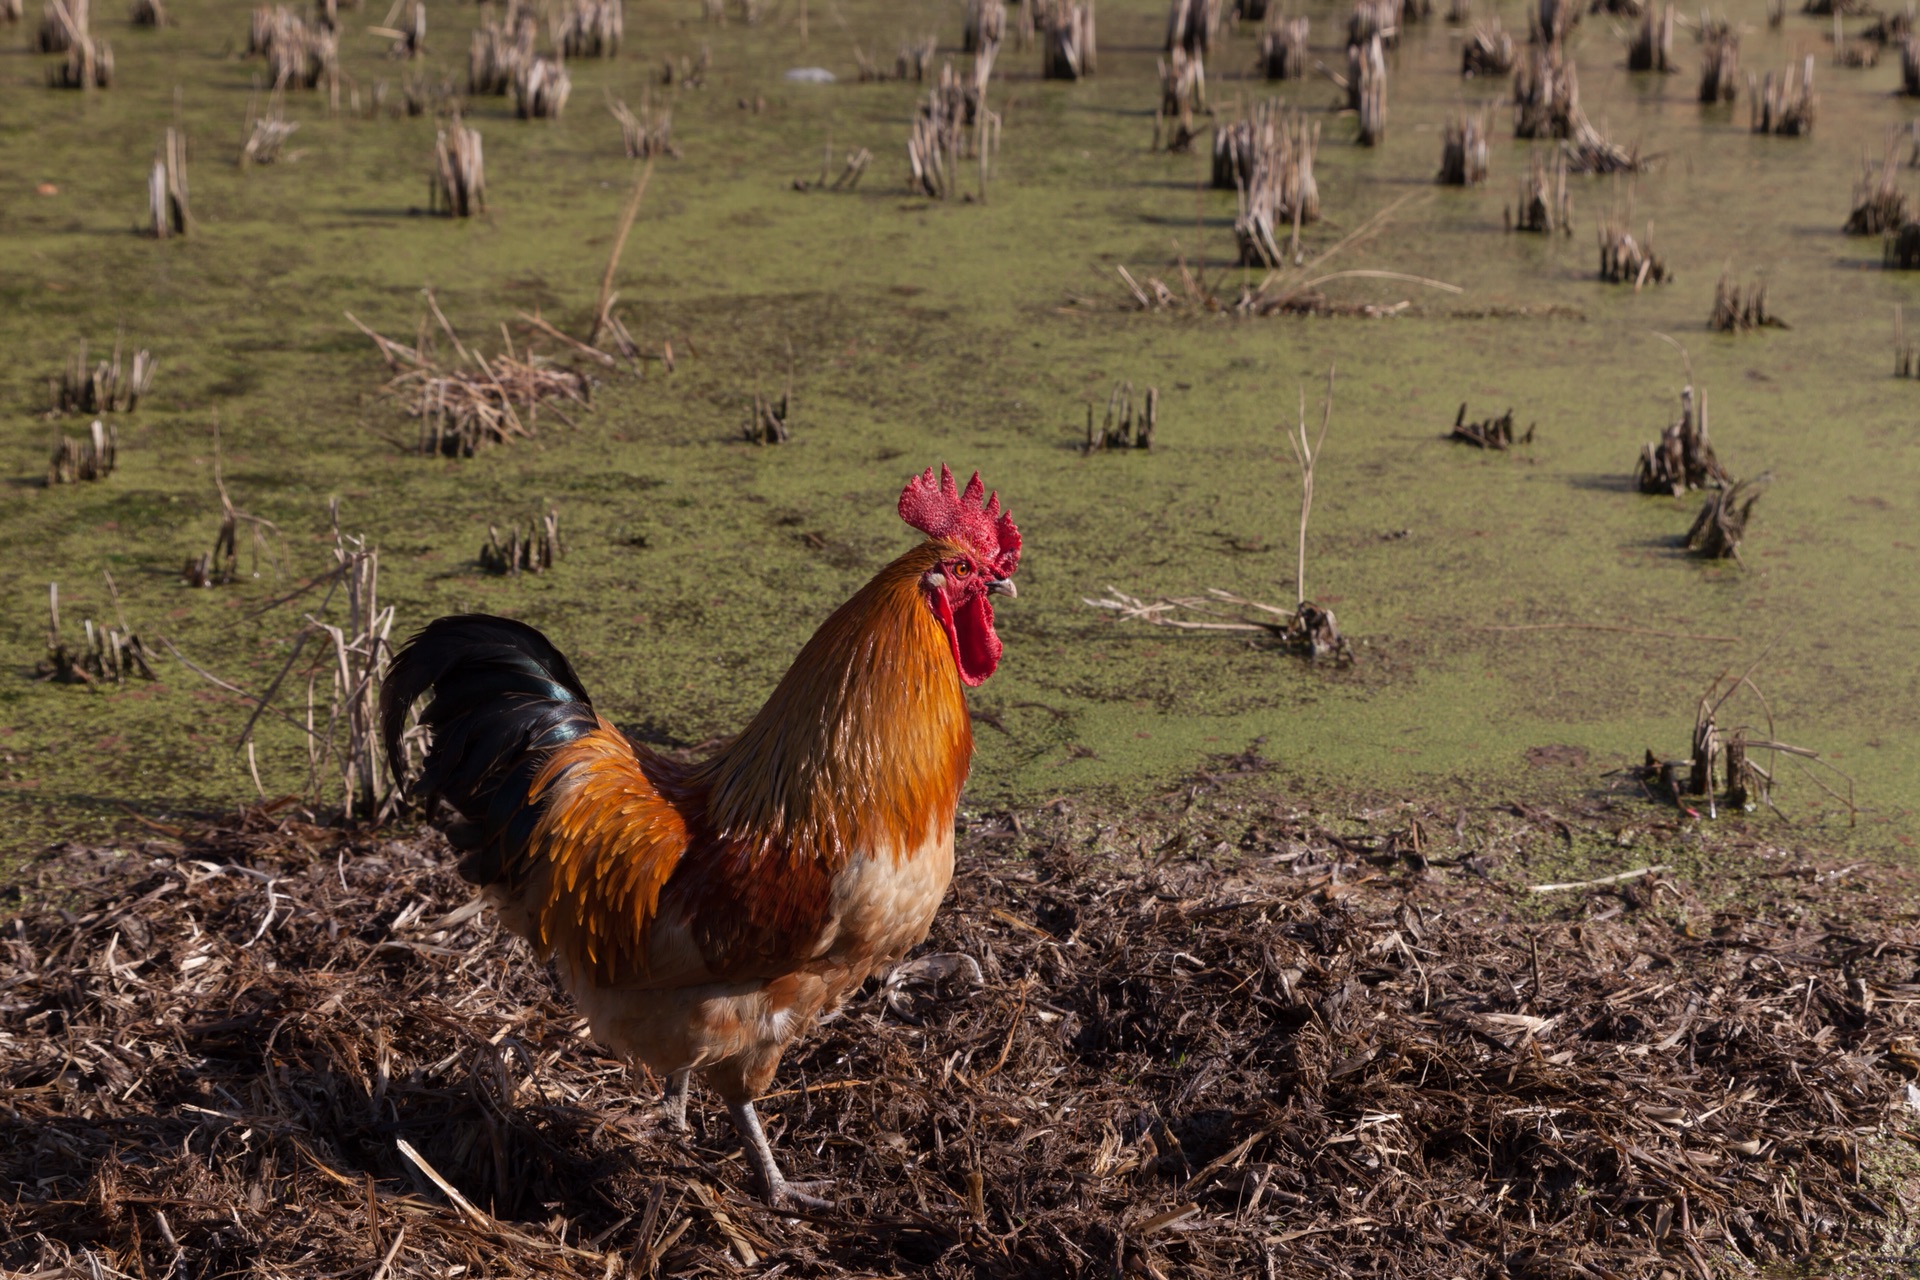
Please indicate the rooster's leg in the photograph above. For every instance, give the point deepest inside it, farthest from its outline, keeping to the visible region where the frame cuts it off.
(673, 1105)
(780, 1193)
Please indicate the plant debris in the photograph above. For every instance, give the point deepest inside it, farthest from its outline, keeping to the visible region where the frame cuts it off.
(94, 458)
(167, 188)
(1123, 428)
(1683, 457)
(1879, 206)
(1652, 48)
(1492, 433)
(1487, 51)
(110, 655)
(534, 551)
(457, 186)
(1737, 312)
(1463, 150)
(1784, 105)
(464, 409)
(1719, 63)
(1068, 49)
(1544, 205)
(1268, 1045)
(648, 134)
(106, 387)
(1283, 47)
(1722, 523)
(1624, 260)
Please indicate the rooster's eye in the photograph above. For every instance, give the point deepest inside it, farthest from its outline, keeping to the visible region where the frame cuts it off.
(961, 569)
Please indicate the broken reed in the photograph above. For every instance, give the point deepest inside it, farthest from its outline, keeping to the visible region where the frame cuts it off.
(1068, 49)
(1910, 67)
(1183, 89)
(78, 461)
(1719, 63)
(109, 655)
(952, 124)
(1784, 105)
(1367, 89)
(148, 13)
(1900, 250)
(105, 387)
(986, 23)
(1283, 47)
(498, 51)
(1737, 312)
(267, 131)
(299, 54)
(589, 29)
(1652, 48)
(1267, 159)
(1625, 260)
(167, 188)
(1464, 151)
(457, 186)
(1546, 94)
(541, 87)
(648, 134)
(1721, 526)
(770, 421)
(1683, 457)
(1487, 50)
(1544, 205)
(1370, 18)
(66, 27)
(478, 402)
(1879, 206)
(1191, 25)
(1124, 427)
(533, 551)
(1490, 433)
(1546, 104)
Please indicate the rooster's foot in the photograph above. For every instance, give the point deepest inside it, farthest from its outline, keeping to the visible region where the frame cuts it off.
(802, 1195)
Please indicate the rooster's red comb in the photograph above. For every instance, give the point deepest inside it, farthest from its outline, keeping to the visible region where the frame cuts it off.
(939, 509)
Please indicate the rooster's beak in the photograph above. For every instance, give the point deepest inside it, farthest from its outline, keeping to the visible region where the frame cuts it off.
(1002, 587)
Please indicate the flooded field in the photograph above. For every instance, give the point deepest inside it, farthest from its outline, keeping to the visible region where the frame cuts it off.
(915, 330)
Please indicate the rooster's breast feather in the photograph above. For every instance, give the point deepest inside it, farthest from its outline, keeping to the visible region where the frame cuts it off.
(622, 877)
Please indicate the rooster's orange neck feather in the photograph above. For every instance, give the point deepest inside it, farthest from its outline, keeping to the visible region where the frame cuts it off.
(863, 746)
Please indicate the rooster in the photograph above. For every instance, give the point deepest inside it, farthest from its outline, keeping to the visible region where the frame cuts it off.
(703, 915)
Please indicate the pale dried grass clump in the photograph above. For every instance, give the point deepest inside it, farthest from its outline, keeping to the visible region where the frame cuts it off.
(1283, 47)
(1544, 205)
(1069, 47)
(458, 184)
(483, 400)
(1784, 105)
(648, 133)
(1464, 151)
(498, 51)
(105, 386)
(590, 29)
(541, 88)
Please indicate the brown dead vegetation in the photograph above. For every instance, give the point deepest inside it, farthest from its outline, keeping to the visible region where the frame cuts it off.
(1683, 457)
(1719, 63)
(1490, 433)
(1544, 205)
(1487, 51)
(482, 400)
(1784, 105)
(1737, 311)
(1266, 1038)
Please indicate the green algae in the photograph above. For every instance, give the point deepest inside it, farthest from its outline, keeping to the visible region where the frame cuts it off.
(974, 333)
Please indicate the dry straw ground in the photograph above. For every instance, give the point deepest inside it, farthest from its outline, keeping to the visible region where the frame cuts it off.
(1246, 1044)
